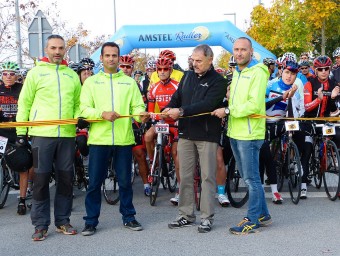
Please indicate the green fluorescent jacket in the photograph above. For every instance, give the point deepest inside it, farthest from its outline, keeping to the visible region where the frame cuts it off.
(111, 92)
(247, 97)
(50, 92)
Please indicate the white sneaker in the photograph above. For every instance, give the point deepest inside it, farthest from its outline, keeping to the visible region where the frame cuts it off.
(223, 200)
(303, 194)
(277, 199)
(175, 199)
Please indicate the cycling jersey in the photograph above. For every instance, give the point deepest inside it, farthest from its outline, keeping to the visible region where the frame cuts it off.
(160, 95)
(175, 75)
(9, 101)
(313, 105)
(276, 106)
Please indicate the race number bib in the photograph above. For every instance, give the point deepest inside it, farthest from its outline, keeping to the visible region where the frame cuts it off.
(162, 128)
(3, 143)
(292, 125)
(328, 130)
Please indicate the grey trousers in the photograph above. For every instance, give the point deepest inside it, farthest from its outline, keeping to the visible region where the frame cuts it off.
(61, 152)
(189, 152)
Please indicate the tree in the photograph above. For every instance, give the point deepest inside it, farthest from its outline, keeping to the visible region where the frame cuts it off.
(294, 25)
(28, 9)
(223, 59)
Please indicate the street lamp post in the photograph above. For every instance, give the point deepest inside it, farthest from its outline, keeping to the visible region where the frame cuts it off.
(114, 13)
(18, 36)
(233, 13)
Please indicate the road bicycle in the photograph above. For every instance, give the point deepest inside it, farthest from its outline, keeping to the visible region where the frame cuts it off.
(287, 161)
(163, 164)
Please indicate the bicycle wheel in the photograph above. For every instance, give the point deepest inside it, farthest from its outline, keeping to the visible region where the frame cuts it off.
(294, 172)
(156, 174)
(110, 191)
(331, 175)
(5, 186)
(237, 189)
(197, 186)
(171, 179)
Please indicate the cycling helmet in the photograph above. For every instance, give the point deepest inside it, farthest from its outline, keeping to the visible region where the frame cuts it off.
(290, 56)
(74, 66)
(336, 52)
(232, 62)
(23, 72)
(151, 64)
(304, 63)
(10, 66)
(291, 66)
(18, 158)
(304, 54)
(87, 62)
(138, 72)
(126, 59)
(279, 61)
(165, 62)
(167, 54)
(268, 61)
(219, 70)
(322, 61)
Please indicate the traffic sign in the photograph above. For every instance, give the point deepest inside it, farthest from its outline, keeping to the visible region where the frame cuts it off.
(77, 52)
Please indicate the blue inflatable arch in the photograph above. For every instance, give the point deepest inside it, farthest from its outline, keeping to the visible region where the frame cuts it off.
(222, 33)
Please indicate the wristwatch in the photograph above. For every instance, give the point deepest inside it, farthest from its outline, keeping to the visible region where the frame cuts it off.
(226, 111)
(181, 111)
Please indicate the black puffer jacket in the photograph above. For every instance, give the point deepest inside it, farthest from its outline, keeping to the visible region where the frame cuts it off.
(198, 95)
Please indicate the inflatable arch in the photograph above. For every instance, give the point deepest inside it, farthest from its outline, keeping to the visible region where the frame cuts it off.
(222, 33)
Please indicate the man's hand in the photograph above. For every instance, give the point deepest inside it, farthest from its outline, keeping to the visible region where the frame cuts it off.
(320, 94)
(292, 90)
(82, 123)
(335, 92)
(144, 116)
(220, 112)
(22, 141)
(173, 113)
(110, 115)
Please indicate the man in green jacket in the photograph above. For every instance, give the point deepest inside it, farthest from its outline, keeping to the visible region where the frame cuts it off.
(247, 97)
(51, 91)
(108, 95)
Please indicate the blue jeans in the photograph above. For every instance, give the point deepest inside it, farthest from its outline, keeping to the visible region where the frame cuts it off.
(246, 154)
(98, 163)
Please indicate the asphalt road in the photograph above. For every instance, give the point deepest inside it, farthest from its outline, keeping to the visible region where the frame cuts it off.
(310, 228)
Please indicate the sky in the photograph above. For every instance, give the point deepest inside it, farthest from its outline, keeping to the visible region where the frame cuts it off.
(98, 16)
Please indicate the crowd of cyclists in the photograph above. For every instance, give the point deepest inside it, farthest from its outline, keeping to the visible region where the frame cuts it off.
(303, 87)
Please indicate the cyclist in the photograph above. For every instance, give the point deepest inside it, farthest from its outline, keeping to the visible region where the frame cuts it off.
(159, 96)
(9, 94)
(279, 66)
(126, 63)
(336, 67)
(150, 68)
(305, 69)
(320, 99)
(175, 74)
(138, 75)
(278, 95)
(270, 63)
(85, 69)
(232, 63)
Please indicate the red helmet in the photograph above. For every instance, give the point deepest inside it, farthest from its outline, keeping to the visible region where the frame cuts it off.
(322, 61)
(219, 70)
(167, 54)
(164, 62)
(126, 59)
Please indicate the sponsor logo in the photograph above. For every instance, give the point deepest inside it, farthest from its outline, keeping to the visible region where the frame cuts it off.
(205, 85)
(199, 33)
(155, 38)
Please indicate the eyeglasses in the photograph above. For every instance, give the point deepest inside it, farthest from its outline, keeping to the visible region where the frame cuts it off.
(163, 69)
(8, 73)
(323, 69)
(304, 68)
(280, 67)
(125, 66)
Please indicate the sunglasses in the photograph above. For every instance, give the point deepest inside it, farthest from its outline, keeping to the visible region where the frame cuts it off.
(125, 66)
(163, 69)
(8, 73)
(304, 68)
(323, 69)
(280, 67)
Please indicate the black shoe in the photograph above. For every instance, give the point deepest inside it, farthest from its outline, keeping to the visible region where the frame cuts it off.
(180, 223)
(21, 207)
(133, 225)
(89, 230)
